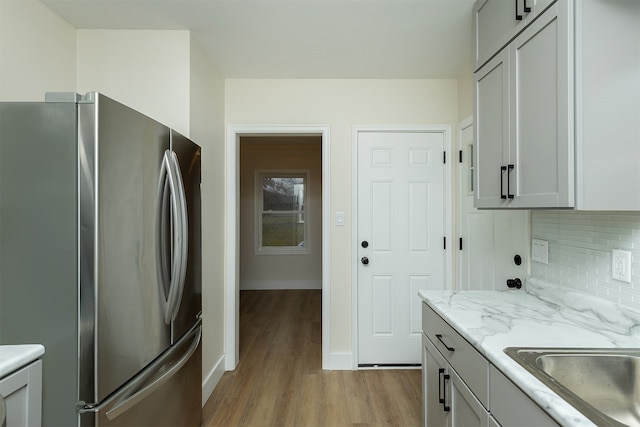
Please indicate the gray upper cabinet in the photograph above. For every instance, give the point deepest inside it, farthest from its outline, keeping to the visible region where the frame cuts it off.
(496, 22)
(525, 158)
(492, 131)
(540, 91)
(607, 98)
(557, 109)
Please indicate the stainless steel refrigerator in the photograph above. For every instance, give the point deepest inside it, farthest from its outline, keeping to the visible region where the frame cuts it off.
(100, 259)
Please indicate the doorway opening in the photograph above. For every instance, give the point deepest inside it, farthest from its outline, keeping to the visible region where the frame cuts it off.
(253, 245)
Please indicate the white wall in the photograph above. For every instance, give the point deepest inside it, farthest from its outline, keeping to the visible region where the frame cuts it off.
(37, 52)
(148, 70)
(206, 112)
(301, 271)
(465, 93)
(341, 104)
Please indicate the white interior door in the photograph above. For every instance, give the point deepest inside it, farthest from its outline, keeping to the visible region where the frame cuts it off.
(400, 231)
(490, 238)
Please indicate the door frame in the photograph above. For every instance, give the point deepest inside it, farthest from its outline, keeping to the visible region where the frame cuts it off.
(232, 232)
(464, 124)
(448, 209)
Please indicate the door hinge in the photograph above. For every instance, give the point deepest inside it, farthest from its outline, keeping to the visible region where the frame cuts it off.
(444, 241)
(460, 156)
(461, 243)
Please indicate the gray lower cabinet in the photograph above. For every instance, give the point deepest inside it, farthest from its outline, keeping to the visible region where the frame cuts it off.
(465, 407)
(511, 406)
(434, 370)
(447, 399)
(447, 358)
(462, 389)
(22, 394)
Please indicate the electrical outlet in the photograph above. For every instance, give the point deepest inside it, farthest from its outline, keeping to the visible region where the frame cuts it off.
(621, 265)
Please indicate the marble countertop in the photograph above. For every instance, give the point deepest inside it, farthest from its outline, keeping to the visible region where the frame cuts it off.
(14, 357)
(544, 315)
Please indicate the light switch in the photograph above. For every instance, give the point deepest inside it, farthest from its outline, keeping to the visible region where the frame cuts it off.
(339, 218)
(540, 251)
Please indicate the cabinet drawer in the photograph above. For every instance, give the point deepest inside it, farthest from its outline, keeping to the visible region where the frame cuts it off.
(466, 360)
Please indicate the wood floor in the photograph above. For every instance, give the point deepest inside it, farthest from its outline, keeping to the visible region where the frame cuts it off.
(280, 382)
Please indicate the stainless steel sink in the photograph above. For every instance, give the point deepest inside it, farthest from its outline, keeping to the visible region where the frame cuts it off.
(603, 384)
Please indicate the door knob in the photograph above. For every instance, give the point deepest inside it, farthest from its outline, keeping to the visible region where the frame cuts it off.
(365, 260)
(365, 244)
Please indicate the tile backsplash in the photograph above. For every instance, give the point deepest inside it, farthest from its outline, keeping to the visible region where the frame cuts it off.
(580, 245)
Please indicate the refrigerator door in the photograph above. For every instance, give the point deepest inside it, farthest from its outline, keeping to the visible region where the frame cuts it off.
(122, 326)
(187, 155)
(166, 393)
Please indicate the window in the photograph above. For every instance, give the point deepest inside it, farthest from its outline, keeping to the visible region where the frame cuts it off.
(281, 212)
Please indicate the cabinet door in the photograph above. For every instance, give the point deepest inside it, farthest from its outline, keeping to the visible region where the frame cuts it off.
(495, 24)
(434, 387)
(491, 144)
(22, 393)
(511, 407)
(539, 6)
(541, 140)
(466, 410)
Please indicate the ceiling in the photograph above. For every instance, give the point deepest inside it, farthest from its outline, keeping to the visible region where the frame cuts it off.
(389, 39)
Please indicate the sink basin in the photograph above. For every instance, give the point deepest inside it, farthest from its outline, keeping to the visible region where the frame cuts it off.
(603, 384)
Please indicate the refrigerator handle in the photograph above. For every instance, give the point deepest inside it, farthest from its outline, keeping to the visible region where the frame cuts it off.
(133, 394)
(163, 215)
(170, 174)
(180, 249)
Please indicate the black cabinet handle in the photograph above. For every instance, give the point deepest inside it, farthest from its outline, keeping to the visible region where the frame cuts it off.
(365, 260)
(444, 394)
(526, 8)
(502, 171)
(518, 16)
(509, 195)
(440, 385)
(439, 336)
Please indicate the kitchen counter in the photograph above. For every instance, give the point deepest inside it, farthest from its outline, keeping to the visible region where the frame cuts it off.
(544, 315)
(13, 357)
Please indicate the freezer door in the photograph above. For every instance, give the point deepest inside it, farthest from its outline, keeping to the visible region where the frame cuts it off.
(187, 155)
(166, 393)
(122, 326)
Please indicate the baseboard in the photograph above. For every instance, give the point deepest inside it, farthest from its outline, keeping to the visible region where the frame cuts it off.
(255, 285)
(212, 379)
(338, 362)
